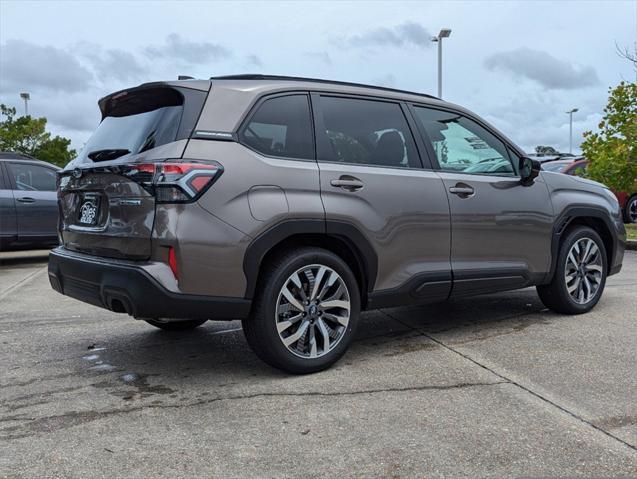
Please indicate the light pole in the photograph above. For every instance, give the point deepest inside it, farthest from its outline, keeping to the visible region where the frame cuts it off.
(26, 97)
(444, 33)
(570, 129)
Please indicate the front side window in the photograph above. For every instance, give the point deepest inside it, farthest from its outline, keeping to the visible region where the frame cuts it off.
(461, 145)
(281, 126)
(29, 177)
(368, 132)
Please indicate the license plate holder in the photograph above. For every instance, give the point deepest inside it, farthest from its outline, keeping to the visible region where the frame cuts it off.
(89, 210)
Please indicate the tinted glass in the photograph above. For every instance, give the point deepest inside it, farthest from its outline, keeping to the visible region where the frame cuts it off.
(464, 146)
(141, 120)
(368, 132)
(32, 177)
(281, 127)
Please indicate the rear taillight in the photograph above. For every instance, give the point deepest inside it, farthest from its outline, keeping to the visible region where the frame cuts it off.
(174, 181)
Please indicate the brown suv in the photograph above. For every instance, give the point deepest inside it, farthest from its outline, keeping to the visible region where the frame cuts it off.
(293, 204)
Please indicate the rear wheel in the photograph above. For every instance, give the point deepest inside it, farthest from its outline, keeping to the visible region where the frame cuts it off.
(580, 274)
(630, 211)
(176, 325)
(305, 312)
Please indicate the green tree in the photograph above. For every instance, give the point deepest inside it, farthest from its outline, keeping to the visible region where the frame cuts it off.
(612, 151)
(29, 136)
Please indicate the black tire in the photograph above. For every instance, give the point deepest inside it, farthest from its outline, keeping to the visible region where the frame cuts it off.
(260, 328)
(176, 325)
(631, 204)
(555, 295)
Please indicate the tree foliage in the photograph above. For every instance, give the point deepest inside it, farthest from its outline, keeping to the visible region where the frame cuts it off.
(28, 135)
(612, 151)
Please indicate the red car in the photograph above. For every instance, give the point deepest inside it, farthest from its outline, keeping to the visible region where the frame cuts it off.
(627, 200)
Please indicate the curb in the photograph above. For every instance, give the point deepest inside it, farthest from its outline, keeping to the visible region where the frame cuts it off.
(631, 244)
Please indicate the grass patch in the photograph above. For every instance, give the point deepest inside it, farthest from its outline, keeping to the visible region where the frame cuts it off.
(631, 231)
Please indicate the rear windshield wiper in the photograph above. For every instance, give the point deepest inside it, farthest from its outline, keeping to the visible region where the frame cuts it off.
(107, 154)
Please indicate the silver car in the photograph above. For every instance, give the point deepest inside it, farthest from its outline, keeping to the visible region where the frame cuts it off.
(294, 203)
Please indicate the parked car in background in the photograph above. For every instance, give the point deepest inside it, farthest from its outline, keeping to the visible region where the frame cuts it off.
(577, 167)
(28, 202)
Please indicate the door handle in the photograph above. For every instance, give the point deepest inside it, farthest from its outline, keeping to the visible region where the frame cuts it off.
(26, 199)
(461, 189)
(348, 183)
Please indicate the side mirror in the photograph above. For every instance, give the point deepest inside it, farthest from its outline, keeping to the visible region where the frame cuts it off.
(529, 170)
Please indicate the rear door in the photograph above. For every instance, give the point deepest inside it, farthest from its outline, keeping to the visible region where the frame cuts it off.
(34, 192)
(501, 230)
(372, 177)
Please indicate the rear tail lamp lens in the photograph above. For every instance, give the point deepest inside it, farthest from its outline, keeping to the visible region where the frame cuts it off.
(175, 181)
(172, 262)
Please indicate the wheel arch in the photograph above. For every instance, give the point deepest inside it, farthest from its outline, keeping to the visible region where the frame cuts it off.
(593, 217)
(341, 238)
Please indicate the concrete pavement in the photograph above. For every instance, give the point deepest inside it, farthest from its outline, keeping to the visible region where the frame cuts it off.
(492, 386)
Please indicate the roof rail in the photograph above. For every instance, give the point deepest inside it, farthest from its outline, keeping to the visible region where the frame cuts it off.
(254, 76)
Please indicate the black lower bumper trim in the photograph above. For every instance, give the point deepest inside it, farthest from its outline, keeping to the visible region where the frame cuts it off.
(130, 289)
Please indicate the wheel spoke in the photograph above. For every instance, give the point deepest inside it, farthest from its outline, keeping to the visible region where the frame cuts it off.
(331, 279)
(287, 294)
(574, 286)
(317, 282)
(326, 335)
(342, 320)
(292, 338)
(335, 303)
(284, 325)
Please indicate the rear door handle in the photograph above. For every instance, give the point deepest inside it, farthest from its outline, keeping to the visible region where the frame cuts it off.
(26, 199)
(461, 189)
(348, 183)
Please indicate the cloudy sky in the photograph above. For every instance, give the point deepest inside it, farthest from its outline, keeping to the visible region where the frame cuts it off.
(519, 64)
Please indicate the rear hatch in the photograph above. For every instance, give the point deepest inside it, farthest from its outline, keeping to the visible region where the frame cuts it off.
(107, 195)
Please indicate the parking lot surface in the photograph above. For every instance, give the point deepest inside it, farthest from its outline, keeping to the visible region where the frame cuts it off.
(492, 386)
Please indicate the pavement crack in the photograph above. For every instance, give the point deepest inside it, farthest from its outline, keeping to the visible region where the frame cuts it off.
(24, 280)
(515, 383)
(38, 425)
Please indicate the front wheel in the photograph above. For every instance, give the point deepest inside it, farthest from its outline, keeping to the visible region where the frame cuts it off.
(305, 312)
(580, 273)
(630, 211)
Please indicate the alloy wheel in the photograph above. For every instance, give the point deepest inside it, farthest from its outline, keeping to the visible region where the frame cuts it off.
(632, 211)
(583, 271)
(312, 311)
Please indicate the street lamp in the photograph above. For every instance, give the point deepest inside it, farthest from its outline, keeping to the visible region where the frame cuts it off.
(26, 97)
(570, 129)
(444, 33)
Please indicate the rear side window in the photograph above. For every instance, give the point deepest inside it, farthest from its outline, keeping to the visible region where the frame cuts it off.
(368, 132)
(462, 145)
(282, 127)
(136, 121)
(28, 177)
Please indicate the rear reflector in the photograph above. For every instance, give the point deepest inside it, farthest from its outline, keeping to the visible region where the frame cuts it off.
(175, 181)
(172, 262)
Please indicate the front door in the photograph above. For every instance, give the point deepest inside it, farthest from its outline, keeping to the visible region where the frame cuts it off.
(34, 191)
(501, 230)
(372, 178)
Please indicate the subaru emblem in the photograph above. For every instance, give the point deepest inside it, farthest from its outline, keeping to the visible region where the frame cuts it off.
(77, 173)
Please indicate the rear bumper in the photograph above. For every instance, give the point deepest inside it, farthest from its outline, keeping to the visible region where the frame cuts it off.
(123, 287)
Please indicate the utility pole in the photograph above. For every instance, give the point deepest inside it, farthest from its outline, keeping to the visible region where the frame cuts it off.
(444, 33)
(26, 97)
(570, 129)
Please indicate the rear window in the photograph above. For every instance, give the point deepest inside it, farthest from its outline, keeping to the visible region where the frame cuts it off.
(140, 120)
